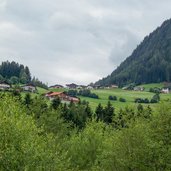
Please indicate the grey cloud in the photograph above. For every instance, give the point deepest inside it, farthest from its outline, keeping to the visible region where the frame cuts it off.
(75, 40)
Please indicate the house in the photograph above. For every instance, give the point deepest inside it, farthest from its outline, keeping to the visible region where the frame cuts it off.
(29, 88)
(81, 87)
(165, 90)
(56, 86)
(4, 86)
(53, 95)
(73, 99)
(125, 88)
(97, 86)
(48, 93)
(114, 86)
(138, 88)
(89, 87)
(71, 86)
(62, 96)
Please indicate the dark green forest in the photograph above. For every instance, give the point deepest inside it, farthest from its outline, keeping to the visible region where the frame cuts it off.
(38, 136)
(15, 73)
(150, 62)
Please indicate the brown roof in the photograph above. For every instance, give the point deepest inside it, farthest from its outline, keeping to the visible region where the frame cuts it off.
(55, 94)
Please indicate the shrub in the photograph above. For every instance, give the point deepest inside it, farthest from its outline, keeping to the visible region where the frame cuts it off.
(112, 98)
(122, 99)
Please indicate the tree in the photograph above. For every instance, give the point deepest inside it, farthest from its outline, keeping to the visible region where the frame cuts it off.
(155, 98)
(1, 78)
(23, 146)
(14, 80)
(55, 103)
(23, 77)
(99, 112)
(27, 100)
(27, 71)
(108, 113)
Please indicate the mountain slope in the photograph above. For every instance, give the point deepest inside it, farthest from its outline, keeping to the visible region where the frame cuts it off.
(150, 62)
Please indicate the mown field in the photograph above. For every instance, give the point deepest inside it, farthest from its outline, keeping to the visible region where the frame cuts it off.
(130, 96)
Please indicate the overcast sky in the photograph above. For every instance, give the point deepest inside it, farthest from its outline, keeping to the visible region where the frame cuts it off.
(80, 41)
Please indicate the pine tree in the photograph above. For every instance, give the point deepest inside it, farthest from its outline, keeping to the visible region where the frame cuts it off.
(108, 113)
(55, 103)
(99, 112)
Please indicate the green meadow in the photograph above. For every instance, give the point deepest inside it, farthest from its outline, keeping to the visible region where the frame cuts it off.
(129, 95)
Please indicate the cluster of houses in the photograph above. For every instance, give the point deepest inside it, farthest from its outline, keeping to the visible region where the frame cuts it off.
(91, 86)
(29, 87)
(139, 88)
(62, 96)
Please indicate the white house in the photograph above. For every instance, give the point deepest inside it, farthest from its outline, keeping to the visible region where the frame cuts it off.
(165, 90)
(4, 86)
(29, 88)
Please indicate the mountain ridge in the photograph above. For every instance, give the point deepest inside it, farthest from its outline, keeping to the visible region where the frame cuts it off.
(153, 52)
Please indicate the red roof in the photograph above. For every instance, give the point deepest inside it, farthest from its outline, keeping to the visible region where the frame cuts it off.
(55, 94)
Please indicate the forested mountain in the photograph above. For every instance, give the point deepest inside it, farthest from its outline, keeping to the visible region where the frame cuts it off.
(150, 62)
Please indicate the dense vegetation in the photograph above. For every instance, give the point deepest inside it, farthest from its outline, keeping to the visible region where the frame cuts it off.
(38, 136)
(14, 73)
(82, 92)
(150, 62)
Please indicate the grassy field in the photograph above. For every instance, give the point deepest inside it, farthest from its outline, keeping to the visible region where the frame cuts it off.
(153, 85)
(130, 96)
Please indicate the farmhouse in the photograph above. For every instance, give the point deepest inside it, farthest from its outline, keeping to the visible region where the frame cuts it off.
(165, 90)
(53, 95)
(29, 88)
(89, 87)
(71, 86)
(114, 86)
(62, 96)
(56, 86)
(4, 86)
(138, 88)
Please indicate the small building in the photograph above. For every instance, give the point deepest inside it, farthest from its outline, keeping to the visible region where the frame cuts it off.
(165, 90)
(72, 99)
(56, 86)
(138, 88)
(72, 86)
(4, 86)
(89, 87)
(53, 95)
(62, 96)
(29, 88)
(114, 86)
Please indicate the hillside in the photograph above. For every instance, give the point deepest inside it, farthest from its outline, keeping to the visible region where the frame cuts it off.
(150, 62)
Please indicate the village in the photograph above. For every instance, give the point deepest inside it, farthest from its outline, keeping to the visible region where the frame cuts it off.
(60, 91)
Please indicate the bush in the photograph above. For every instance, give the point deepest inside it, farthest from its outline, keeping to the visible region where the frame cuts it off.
(140, 100)
(112, 98)
(122, 99)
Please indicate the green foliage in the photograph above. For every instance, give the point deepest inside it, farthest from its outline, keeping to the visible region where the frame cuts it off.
(69, 138)
(21, 145)
(38, 83)
(55, 103)
(155, 98)
(114, 98)
(27, 100)
(121, 99)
